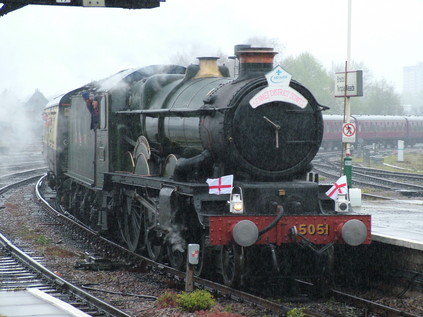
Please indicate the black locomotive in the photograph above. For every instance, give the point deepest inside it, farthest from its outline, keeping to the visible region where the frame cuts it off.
(162, 134)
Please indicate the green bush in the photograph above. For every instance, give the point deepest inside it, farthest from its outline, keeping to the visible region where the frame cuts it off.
(296, 312)
(196, 300)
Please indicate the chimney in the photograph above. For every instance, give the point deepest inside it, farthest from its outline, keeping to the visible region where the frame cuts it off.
(254, 61)
(208, 67)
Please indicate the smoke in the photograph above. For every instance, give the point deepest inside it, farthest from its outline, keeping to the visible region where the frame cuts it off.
(174, 237)
(20, 121)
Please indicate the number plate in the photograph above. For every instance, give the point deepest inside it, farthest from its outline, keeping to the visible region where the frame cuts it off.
(314, 229)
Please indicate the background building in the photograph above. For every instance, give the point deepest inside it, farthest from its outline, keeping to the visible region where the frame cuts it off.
(413, 88)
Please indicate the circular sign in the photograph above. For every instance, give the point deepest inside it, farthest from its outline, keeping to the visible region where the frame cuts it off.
(348, 129)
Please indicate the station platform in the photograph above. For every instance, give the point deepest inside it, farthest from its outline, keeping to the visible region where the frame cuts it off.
(397, 222)
(33, 302)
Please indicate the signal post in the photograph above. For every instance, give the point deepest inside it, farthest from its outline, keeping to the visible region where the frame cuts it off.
(348, 84)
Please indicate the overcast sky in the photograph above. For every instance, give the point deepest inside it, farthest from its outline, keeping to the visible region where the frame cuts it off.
(55, 49)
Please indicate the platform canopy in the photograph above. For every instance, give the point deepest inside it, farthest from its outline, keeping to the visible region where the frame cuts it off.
(7, 6)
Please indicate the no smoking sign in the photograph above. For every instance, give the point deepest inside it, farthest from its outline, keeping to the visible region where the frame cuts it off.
(348, 133)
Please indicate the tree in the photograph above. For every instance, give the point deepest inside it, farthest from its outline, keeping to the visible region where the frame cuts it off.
(380, 99)
(307, 70)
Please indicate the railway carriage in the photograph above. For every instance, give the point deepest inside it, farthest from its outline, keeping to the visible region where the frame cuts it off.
(165, 142)
(414, 130)
(380, 130)
(385, 130)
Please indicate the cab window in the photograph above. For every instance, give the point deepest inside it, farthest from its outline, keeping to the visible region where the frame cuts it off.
(103, 113)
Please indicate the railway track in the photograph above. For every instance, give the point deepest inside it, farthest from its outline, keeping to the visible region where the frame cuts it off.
(14, 275)
(21, 158)
(18, 270)
(332, 173)
(406, 177)
(375, 178)
(382, 180)
(12, 180)
(18, 165)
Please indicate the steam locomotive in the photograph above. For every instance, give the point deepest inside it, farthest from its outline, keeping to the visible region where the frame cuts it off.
(167, 138)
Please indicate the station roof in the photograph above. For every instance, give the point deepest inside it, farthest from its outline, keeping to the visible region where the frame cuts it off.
(11, 5)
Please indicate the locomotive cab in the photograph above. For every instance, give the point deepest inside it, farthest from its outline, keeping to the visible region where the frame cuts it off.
(89, 145)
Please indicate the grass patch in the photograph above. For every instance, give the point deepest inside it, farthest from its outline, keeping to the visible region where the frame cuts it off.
(412, 162)
(57, 251)
(42, 240)
(32, 235)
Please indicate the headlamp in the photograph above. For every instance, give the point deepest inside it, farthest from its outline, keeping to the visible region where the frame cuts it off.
(236, 203)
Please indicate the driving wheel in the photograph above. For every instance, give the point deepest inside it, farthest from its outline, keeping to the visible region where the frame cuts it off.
(153, 242)
(132, 228)
(232, 260)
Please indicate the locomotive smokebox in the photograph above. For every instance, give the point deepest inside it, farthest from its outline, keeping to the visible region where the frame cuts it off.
(254, 61)
(274, 141)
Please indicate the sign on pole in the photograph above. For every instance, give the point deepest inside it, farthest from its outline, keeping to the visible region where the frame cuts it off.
(354, 87)
(348, 133)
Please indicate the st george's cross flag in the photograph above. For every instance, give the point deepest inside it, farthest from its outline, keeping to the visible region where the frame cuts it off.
(340, 187)
(221, 185)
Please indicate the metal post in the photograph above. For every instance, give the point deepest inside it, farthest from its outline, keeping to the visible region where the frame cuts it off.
(348, 170)
(192, 260)
(347, 158)
(189, 283)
